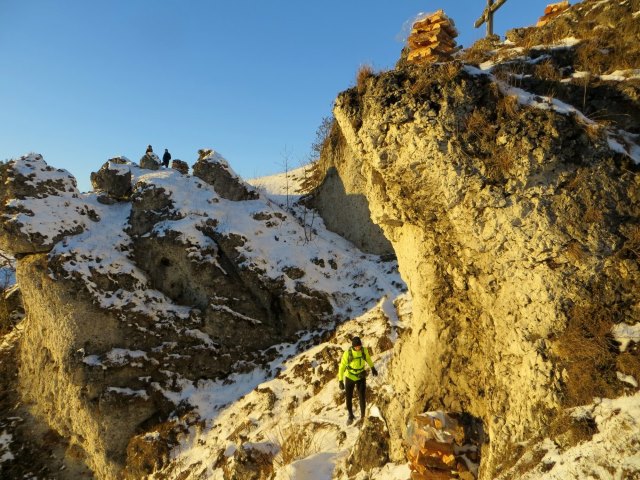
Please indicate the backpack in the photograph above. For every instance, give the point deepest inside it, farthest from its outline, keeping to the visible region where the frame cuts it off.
(360, 373)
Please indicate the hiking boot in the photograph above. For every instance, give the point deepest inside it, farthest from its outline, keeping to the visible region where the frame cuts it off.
(350, 420)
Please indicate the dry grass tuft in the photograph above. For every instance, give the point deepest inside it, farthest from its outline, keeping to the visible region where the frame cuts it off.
(500, 164)
(594, 131)
(593, 214)
(588, 354)
(508, 106)
(572, 430)
(430, 75)
(481, 51)
(629, 362)
(547, 71)
(297, 441)
(477, 123)
(364, 73)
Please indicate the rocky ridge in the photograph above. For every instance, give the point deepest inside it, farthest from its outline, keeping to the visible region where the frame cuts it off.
(148, 295)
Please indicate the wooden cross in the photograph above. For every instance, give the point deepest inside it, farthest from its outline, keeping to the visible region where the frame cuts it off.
(487, 15)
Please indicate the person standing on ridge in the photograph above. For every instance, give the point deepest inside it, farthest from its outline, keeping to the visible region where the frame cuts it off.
(351, 374)
(149, 149)
(165, 158)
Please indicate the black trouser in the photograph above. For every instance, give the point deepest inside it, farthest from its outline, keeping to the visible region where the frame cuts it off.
(348, 388)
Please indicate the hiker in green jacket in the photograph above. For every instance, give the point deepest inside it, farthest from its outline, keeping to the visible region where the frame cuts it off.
(351, 374)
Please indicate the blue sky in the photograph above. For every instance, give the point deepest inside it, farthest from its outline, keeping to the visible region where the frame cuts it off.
(84, 80)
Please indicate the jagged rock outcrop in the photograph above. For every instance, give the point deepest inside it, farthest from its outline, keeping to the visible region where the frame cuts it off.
(150, 161)
(30, 190)
(152, 294)
(113, 178)
(372, 447)
(511, 221)
(215, 170)
(181, 166)
(213, 278)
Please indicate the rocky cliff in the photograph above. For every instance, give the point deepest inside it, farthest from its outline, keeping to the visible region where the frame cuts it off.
(514, 217)
(137, 292)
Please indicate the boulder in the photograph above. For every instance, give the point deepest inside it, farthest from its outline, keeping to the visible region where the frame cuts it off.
(215, 170)
(114, 179)
(150, 161)
(180, 166)
(372, 447)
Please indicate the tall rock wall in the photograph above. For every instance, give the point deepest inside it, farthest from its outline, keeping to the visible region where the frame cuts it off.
(510, 224)
(341, 198)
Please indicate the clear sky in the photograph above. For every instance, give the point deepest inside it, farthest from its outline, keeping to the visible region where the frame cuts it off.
(84, 80)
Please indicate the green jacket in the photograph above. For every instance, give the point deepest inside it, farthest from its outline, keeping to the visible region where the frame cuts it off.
(353, 362)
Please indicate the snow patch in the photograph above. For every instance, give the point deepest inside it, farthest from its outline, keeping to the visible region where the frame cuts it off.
(625, 334)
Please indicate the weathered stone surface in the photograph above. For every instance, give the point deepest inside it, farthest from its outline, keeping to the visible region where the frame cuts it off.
(113, 178)
(180, 166)
(372, 447)
(149, 205)
(150, 161)
(484, 221)
(30, 189)
(215, 170)
(341, 198)
(90, 372)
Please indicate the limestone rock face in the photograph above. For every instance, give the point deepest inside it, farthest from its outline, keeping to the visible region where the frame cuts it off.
(506, 222)
(113, 178)
(215, 170)
(341, 198)
(214, 279)
(30, 190)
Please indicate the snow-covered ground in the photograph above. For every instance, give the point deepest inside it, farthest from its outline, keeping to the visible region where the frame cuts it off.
(300, 404)
(295, 398)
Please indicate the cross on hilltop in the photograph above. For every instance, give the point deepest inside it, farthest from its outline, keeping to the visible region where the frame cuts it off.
(487, 15)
